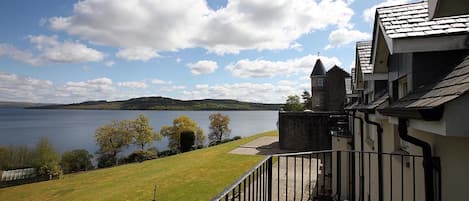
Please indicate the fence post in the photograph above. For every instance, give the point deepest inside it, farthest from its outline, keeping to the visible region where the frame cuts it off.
(269, 178)
(339, 171)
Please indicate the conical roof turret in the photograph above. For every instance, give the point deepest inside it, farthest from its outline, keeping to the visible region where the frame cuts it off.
(318, 69)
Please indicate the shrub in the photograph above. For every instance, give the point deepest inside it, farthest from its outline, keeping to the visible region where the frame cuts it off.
(76, 160)
(106, 160)
(168, 153)
(139, 156)
(187, 140)
(236, 137)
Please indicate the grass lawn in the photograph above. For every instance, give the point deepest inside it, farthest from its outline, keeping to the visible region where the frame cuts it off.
(196, 175)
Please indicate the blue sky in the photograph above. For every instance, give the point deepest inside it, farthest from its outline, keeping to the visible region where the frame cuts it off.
(60, 51)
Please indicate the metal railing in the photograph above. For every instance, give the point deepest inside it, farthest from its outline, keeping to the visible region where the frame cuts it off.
(331, 175)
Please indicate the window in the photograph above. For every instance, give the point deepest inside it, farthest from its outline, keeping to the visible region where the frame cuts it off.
(403, 87)
(320, 82)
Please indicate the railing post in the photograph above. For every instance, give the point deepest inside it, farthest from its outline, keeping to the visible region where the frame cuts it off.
(339, 171)
(269, 179)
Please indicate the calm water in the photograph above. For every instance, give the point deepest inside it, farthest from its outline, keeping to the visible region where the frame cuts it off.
(74, 129)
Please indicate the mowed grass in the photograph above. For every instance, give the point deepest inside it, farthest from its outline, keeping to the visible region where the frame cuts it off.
(196, 175)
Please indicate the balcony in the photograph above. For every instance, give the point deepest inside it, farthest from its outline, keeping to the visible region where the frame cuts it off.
(333, 175)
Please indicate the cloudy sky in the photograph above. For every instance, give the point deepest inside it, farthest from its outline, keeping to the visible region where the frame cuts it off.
(65, 51)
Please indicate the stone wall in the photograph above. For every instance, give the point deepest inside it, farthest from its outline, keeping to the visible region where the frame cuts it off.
(304, 131)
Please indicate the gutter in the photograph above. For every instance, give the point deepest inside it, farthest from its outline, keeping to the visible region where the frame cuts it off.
(427, 158)
(379, 131)
(362, 176)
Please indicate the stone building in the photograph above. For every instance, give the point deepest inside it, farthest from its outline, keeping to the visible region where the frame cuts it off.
(328, 91)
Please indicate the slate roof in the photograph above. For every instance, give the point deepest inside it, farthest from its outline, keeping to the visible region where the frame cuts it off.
(450, 87)
(352, 106)
(411, 20)
(376, 103)
(364, 56)
(318, 68)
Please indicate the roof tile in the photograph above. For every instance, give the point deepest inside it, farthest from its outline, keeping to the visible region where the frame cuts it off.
(412, 20)
(450, 87)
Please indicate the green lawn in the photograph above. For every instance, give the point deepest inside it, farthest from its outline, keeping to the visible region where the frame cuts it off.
(196, 175)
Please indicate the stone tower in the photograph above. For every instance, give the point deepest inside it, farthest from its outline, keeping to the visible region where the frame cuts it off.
(318, 87)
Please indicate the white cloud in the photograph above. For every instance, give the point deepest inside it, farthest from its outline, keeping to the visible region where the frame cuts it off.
(18, 88)
(133, 85)
(109, 63)
(344, 36)
(137, 54)
(95, 89)
(172, 88)
(246, 91)
(369, 13)
(178, 60)
(173, 25)
(158, 81)
(203, 67)
(264, 68)
(51, 51)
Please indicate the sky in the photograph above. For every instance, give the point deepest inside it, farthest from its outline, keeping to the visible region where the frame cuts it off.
(66, 51)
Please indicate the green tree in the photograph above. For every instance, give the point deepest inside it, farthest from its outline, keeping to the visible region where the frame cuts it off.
(143, 132)
(14, 157)
(181, 124)
(112, 138)
(307, 102)
(76, 160)
(46, 159)
(293, 104)
(219, 127)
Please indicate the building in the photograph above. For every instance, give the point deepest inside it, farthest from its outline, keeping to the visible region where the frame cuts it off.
(408, 110)
(328, 89)
(413, 96)
(318, 87)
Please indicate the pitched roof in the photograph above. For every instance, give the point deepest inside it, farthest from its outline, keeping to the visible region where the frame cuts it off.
(364, 56)
(318, 68)
(450, 87)
(376, 103)
(337, 68)
(411, 20)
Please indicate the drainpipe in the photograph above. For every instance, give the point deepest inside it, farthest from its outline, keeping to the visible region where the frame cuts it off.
(379, 131)
(427, 158)
(362, 177)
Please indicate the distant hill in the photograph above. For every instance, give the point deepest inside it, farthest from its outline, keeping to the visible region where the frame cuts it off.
(7, 104)
(163, 103)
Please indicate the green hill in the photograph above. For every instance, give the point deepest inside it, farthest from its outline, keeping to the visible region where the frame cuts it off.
(195, 175)
(7, 104)
(162, 103)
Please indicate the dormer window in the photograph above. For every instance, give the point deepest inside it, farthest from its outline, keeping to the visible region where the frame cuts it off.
(403, 90)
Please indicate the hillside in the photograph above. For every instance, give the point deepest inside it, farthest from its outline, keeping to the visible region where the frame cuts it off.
(7, 104)
(162, 103)
(195, 175)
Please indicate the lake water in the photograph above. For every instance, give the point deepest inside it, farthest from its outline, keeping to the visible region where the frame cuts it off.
(74, 129)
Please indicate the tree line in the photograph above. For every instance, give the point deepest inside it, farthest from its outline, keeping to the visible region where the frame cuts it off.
(112, 139)
(183, 135)
(294, 103)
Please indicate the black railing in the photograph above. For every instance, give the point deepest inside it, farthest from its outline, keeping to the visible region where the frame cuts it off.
(331, 175)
